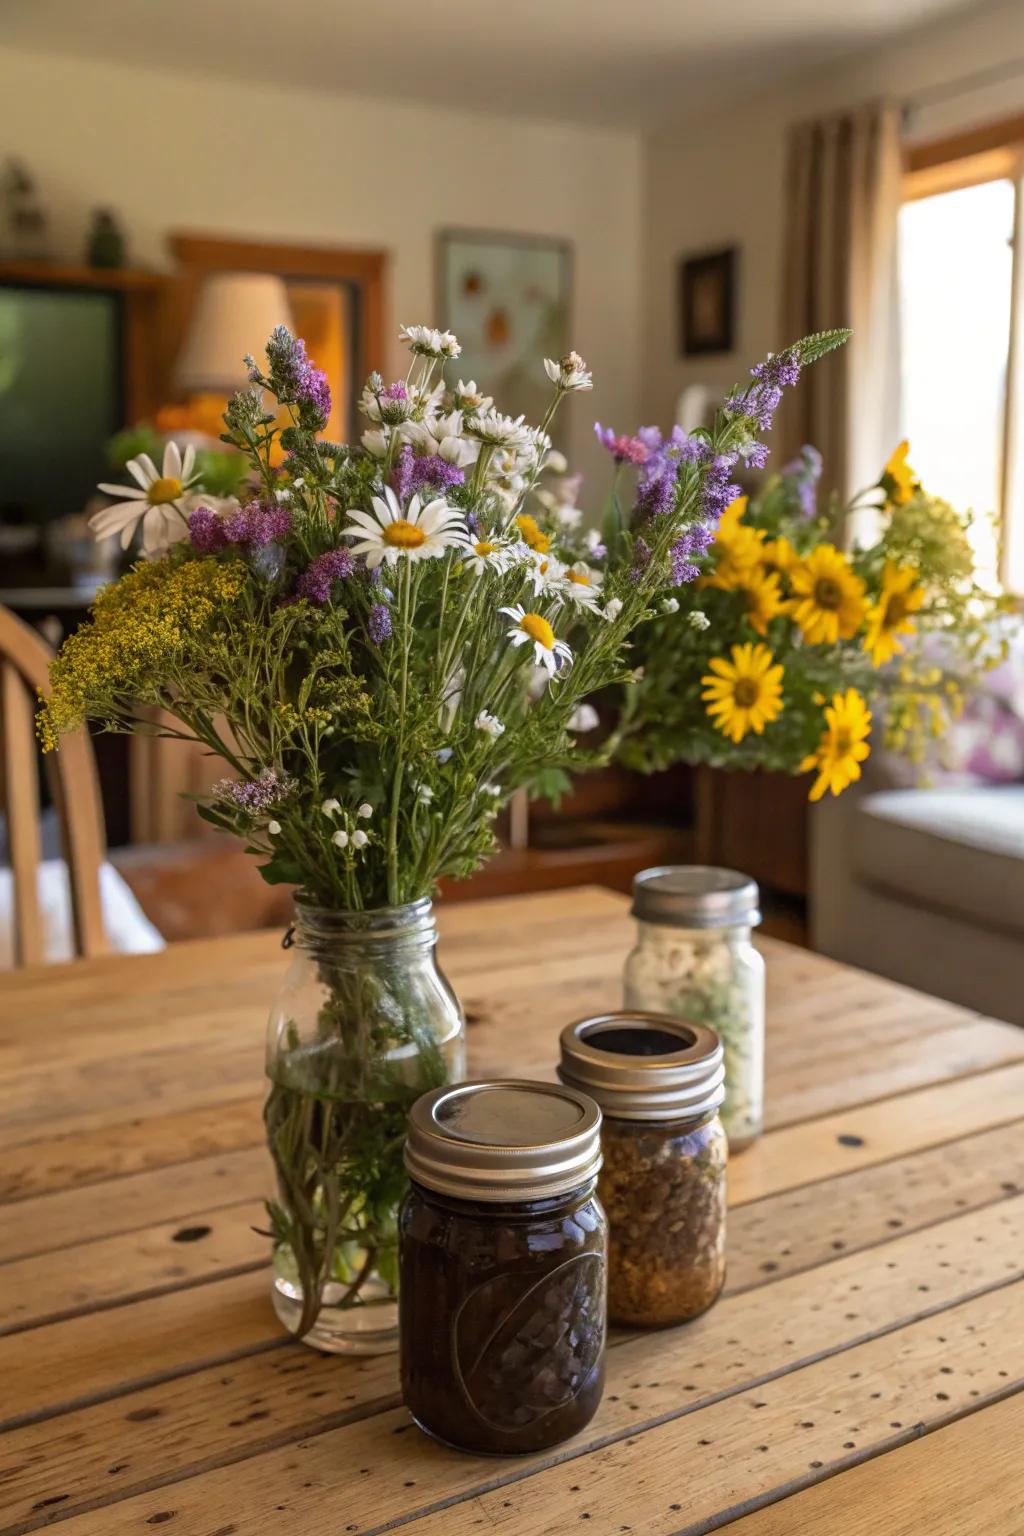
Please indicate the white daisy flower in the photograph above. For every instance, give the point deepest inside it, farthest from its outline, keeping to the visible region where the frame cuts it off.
(583, 584)
(583, 718)
(159, 499)
(418, 533)
(489, 724)
(442, 436)
(466, 397)
(376, 442)
(546, 573)
(425, 341)
(498, 430)
(487, 555)
(533, 629)
(612, 609)
(570, 372)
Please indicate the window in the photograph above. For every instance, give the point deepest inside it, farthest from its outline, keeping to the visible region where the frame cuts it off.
(962, 384)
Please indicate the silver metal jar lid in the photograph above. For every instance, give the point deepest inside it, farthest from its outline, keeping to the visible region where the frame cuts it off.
(695, 896)
(504, 1140)
(645, 1066)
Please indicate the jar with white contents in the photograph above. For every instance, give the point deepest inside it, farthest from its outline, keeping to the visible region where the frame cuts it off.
(695, 960)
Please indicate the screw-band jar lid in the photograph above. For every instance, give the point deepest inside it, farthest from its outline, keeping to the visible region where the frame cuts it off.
(504, 1140)
(695, 896)
(645, 1066)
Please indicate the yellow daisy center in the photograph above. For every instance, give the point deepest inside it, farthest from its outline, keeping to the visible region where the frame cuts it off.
(746, 692)
(401, 534)
(163, 490)
(895, 610)
(579, 577)
(484, 548)
(538, 629)
(828, 593)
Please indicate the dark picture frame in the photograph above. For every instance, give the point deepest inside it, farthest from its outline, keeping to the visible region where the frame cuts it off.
(707, 303)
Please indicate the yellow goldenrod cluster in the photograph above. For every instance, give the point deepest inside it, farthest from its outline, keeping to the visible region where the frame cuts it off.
(140, 627)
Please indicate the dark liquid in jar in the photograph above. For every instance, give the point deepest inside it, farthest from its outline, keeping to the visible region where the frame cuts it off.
(502, 1319)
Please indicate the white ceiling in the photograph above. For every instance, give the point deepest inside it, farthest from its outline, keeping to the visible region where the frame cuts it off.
(614, 62)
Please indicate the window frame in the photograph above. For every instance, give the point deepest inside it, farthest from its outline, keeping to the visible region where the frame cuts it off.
(992, 153)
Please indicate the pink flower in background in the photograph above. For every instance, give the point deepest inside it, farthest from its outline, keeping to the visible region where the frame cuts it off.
(623, 449)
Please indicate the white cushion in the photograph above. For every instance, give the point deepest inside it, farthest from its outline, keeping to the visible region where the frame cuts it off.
(128, 928)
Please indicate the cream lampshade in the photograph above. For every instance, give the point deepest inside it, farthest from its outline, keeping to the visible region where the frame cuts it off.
(234, 314)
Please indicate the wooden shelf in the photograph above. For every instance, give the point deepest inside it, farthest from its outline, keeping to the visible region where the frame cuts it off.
(52, 275)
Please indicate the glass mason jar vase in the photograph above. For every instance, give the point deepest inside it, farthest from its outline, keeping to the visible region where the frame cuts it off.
(503, 1246)
(659, 1084)
(695, 960)
(363, 1024)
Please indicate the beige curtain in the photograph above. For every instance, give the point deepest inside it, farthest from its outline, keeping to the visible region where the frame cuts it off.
(842, 194)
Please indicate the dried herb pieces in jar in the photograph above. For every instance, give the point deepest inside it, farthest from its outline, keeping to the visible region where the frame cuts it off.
(663, 1190)
(660, 1084)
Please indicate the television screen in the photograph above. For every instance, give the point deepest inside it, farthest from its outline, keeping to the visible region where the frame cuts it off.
(60, 398)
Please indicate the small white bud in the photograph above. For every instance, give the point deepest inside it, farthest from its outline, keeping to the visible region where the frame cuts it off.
(340, 839)
(365, 810)
(273, 828)
(698, 620)
(331, 807)
(359, 839)
(612, 609)
(670, 605)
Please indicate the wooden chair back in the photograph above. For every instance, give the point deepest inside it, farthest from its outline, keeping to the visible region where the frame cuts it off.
(24, 673)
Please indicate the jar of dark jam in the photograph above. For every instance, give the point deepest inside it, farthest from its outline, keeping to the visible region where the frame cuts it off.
(502, 1246)
(660, 1084)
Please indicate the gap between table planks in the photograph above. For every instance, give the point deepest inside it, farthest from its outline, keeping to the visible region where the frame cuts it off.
(847, 1357)
(168, 1430)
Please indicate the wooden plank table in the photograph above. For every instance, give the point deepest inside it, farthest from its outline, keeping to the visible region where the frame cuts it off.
(861, 1373)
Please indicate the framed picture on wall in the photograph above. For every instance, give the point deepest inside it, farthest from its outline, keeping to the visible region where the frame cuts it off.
(707, 303)
(508, 298)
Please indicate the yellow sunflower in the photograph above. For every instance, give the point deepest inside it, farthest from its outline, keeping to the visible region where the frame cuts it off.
(828, 596)
(737, 548)
(891, 615)
(762, 597)
(744, 694)
(778, 555)
(843, 746)
(898, 479)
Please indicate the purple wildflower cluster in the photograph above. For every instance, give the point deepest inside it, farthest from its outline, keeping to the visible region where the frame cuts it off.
(641, 559)
(657, 492)
(318, 578)
(623, 448)
(760, 400)
(687, 549)
(255, 525)
(426, 472)
(379, 624)
(805, 472)
(295, 377)
(254, 795)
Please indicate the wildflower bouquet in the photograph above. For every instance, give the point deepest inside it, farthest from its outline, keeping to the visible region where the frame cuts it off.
(786, 643)
(382, 643)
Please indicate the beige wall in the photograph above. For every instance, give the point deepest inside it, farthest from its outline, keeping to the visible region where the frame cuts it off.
(175, 152)
(715, 181)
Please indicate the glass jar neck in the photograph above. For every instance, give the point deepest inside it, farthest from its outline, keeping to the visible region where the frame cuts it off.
(666, 1127)
(328, 933)
(666, 933)
(508, 1210)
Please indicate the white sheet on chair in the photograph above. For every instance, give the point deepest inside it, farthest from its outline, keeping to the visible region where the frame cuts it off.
(128, 927)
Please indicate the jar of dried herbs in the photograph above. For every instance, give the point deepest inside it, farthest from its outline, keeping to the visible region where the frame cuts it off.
(659, 1083)
(502, 1248)
(695, 959)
